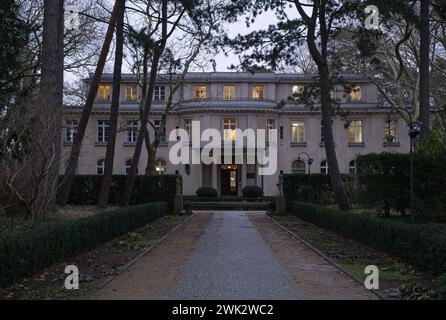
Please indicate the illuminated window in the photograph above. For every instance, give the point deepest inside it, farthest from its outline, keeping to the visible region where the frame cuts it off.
(355, 132)
(270, 125)
(297, 91)
(159, 93)
(298, 133)
(355, 93)
(352, 167)
(229, 126)
(258, 92)
(131, 93)
(102, 130)
(200, 92)
(160, 166)
(100, 166)
(132, 131)
(104, 92)
(229, 92)
(188, 126)
(324, 167)
(298, 166)
(390, 131)
(70, 130)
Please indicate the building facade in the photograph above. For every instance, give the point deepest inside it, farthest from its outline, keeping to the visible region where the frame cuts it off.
(234, 100)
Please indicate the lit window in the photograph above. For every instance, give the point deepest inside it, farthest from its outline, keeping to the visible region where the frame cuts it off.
(229, 126)
(100, 166)
(159, 93)
(297, 91)
(200, 92)
(355, 132)
(132, 131)
(352, 167)
(355, 93)
(162, 133)
(70, 130)
(390, 131)
(160, 166)
(229, 92)
(188, 126)
(131, 93)
(298, 166)
(103, 129)
(324, 167)
(298, 134)
(128, 166)
(104, 92)
(258, 92)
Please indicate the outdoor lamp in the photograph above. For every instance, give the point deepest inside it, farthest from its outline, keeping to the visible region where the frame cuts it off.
(415, 129)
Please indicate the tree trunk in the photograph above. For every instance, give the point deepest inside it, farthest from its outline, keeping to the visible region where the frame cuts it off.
(157, 52)
(65, 188)
(424, 66)
(48, 124)
(114, 109)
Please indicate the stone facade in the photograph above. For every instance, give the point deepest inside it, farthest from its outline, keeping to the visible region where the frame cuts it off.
(253, 101)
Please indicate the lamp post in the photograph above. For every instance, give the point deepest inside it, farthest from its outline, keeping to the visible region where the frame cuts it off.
(415, 129)
(310, 162)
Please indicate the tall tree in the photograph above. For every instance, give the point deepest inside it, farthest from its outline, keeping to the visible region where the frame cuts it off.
(67, 181)
(424, 65)
(114, 109)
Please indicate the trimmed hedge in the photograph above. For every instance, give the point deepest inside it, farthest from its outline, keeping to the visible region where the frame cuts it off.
(252, 192)
(296, 187)
(206, 192)
(22, 253)
(421, 244)
(242, 206)
(227, 199)
(147, 188)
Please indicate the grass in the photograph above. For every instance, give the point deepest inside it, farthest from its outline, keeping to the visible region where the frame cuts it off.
(390, 271)
(55, 292)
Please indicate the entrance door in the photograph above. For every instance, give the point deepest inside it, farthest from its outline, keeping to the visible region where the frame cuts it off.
(229, 180)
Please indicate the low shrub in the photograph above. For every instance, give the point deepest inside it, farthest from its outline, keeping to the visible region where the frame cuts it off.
(147, 188)
(252, 192)
(442, 286)
(421, 244)
(207, 192)
(239, 206)
(23, 253)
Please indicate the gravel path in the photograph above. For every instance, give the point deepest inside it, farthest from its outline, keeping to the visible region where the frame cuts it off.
(232, 261)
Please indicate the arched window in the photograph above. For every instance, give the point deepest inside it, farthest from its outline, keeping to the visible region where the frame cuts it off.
(324, 167)
(298, 166)
(352, 167)
(160, 166)
(100, 166)
(128, 166)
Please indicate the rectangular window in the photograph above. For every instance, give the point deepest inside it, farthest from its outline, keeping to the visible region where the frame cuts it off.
(355, 93)
(162, 133)
(103, 129)
(390, 131)
(70, 130)
(229, 126)
(132, 131)
(131, 93)
(200, 92)
(298, 134)
(270, 124)
(159, 93)
(355, 131)
(229, 92)
(297, 91)
(104, 92)
(188, 127)
(258, 92)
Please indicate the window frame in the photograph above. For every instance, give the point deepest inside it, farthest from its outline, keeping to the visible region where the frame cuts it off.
(231, 95)
(70, 130)
(263, 96)
(157, 125)
(131, 133)
(393, 128)
(355, 130)
(102, 130)
(104, 94)
(353, 169)
(160, 169)
(299, 126)
(324, 168)
(202, 89)
(295, 170)
(159, 93)
(356, 93)
(229, 126)
(100, 166)
(133, 92)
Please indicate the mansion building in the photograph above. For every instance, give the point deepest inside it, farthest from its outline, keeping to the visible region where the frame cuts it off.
(237, 100)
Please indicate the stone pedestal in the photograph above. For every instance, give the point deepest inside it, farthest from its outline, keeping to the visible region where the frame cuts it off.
(177, 204)
(280, 205)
